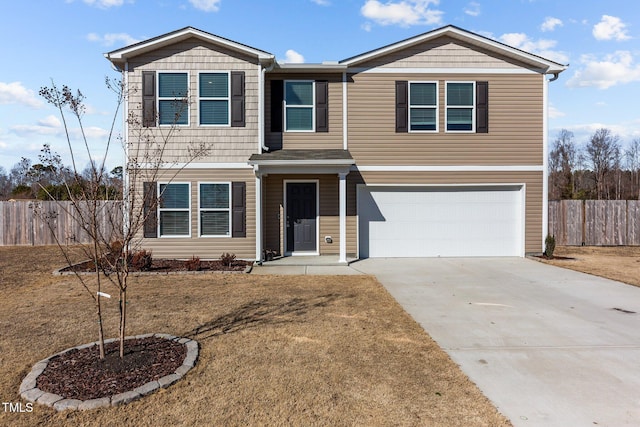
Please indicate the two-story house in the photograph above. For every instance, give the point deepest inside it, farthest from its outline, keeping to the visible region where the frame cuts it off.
(431, 146)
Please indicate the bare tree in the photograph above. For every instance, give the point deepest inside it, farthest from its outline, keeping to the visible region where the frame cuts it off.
(632, 155)
(563, 159)
(112, 248)
(603, 152)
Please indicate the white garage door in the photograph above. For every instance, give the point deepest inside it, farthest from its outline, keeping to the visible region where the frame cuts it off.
(440, 221)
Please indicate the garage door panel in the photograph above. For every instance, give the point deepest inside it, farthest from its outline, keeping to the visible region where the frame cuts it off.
(440, 221)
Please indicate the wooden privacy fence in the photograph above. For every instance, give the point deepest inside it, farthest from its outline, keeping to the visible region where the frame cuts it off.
(595, 222)
(25, 222)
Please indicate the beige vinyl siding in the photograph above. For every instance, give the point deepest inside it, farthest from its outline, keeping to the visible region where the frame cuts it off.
(515, 123)
(329, 216)
(307, 140)
(225, 144)
(532, 181)
(208, 247)
(444, 52)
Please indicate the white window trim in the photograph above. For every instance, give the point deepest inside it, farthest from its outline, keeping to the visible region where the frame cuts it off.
(173, 210)
(227, 98)
(201, 209)
(159, 98)
(473, 107)
(313, 106)
(437, 107)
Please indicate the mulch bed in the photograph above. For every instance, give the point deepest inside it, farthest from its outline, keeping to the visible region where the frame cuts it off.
(80, 374)
(556, 257)
(169, 265)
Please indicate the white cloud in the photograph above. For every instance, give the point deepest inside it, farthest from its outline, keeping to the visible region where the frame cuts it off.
(50, 121)
(554, 113)
(322, 2)
(110, 39)
(472, 9)
(550, 24)
(542, 47)
(206, 5)
(16, 93)
(293, 57)
(404, 13)
(610, 28)
(616, 68)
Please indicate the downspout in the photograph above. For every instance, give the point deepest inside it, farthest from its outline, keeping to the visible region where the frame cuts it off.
(545, 158)
(125, 164)
(261, 145)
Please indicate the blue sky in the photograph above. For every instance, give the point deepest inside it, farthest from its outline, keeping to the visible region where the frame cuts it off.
(65, 40)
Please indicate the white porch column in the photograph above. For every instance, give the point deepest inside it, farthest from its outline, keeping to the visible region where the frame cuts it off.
(258, 217)
(343, 217)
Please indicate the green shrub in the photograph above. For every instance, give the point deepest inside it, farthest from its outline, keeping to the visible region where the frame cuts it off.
(549, 246)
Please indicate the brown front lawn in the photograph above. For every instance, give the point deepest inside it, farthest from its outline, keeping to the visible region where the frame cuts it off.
(275, 350)
(620, 263)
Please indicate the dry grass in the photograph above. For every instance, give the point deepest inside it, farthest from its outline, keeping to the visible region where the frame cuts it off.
(620, 263)
(275, 350)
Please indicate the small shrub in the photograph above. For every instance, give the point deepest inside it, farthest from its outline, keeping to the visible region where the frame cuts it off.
(141, 260)
(227, 259)
(192, 264)
(549, 246)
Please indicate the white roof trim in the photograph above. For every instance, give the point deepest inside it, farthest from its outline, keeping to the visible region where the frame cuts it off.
(450, 30)
(124, 53)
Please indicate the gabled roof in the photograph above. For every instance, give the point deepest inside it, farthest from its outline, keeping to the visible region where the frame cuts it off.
(120, 56)
(502, 49)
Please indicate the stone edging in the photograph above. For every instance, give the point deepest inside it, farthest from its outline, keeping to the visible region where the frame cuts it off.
(30, 392)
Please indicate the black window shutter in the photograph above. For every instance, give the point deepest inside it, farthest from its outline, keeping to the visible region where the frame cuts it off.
(322, 106)
(239, 209)
(277, 96)
(148, 98)
(237, 99)
(402, 106)
(482, 107)
(150, 206)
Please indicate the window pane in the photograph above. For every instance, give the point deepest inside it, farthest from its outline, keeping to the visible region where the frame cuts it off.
(174, 112)
(460, 94)
(214, 85)
(423, 94)
(459, 119)
(214, 196)
(174, 196)
(299, 93)
(214, 112)
(174, 223)
(172, 85)
(423, 119)
(299, 118)
(214, 223)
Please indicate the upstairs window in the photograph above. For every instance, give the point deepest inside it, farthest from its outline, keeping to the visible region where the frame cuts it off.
(214, 99)
(460, 110)
(299, 101)
(423, 106)
(173, 107)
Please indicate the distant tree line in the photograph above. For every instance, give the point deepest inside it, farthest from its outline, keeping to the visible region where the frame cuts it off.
(600, 169)
(49, 179)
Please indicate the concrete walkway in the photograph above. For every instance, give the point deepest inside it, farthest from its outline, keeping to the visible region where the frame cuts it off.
(548, 346)
(319, 265)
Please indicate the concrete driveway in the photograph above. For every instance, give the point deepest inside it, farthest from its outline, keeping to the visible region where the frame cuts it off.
(548, 346)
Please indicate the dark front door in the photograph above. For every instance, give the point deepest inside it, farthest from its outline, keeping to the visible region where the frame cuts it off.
(301, 216)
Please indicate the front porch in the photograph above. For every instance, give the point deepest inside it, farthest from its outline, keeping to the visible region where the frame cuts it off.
(301, 205)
